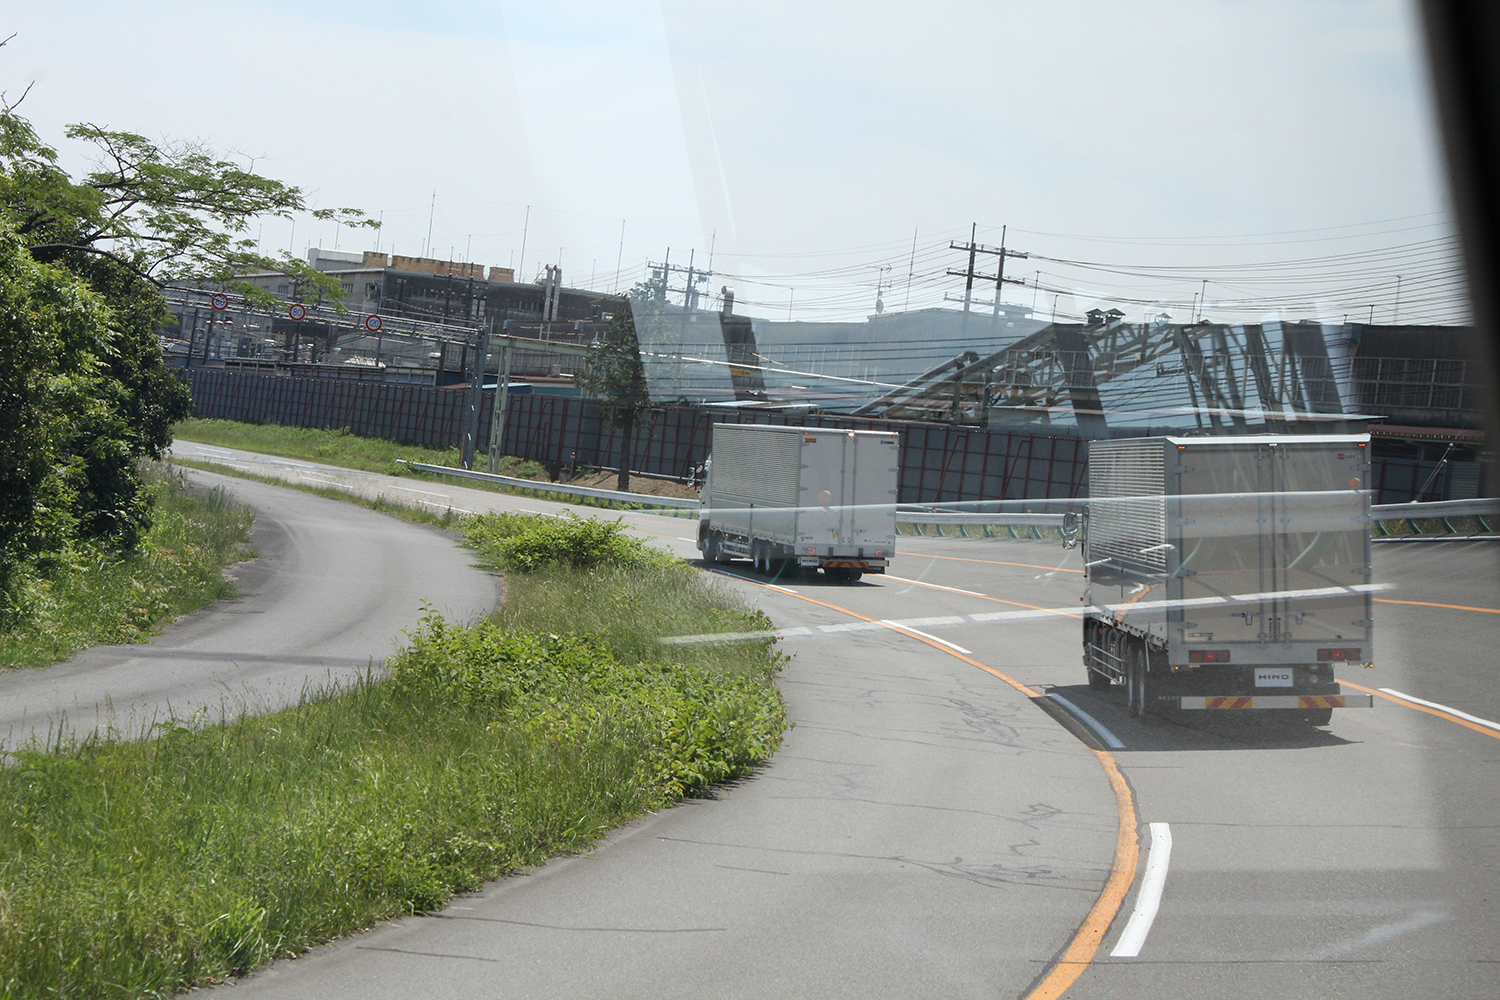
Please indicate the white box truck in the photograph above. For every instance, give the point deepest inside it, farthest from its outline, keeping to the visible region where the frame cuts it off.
(1229, 573)
(801, 497)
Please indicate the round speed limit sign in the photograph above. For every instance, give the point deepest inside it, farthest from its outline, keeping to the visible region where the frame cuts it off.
(372, 323)
(298, 311)
(220, 301)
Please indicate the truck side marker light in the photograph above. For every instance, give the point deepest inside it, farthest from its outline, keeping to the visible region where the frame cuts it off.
(1208, 656)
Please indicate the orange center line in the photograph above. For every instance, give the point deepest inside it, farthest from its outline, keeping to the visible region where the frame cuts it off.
(1430, 604)
(1090, 934)
(1423, 708)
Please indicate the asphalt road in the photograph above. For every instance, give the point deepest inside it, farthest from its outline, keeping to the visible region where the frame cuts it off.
(328, 596)
(930, 830)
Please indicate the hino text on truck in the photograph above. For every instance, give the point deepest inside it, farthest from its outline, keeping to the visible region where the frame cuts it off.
(803, 497)
(1229, 572)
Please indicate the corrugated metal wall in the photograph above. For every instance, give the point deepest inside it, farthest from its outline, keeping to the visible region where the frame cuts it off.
(938, 462)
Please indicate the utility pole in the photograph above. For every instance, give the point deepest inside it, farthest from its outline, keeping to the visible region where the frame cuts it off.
(975, 249)
(694, 277)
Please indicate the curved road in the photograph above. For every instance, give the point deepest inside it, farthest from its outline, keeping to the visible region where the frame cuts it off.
(329, 594)
(930, 830)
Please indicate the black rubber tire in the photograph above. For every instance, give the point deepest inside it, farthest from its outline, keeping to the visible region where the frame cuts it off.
(758, 556)
(719, 556)
(1318, 716)
(1097, 681)
(835, 573)
(1135, 677)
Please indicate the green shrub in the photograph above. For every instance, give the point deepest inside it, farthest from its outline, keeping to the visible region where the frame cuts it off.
(90, 595)
(525, 543)
(147, 867)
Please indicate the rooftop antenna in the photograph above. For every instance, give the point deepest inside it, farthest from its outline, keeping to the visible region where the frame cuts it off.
(431, 210)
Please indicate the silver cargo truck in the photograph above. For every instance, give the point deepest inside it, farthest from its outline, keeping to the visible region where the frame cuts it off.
(1229, 572)
(803, 497)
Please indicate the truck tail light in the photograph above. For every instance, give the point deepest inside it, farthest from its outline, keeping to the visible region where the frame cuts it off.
(1339, 656)
(1208, 656)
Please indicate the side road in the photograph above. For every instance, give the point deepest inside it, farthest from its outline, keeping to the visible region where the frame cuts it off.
(925, 830)
(330, 593)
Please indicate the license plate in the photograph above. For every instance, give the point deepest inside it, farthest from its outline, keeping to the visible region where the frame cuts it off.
(1273, 677)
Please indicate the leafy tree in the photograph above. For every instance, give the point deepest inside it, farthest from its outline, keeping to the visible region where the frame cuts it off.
(615, 377)
(84, 391)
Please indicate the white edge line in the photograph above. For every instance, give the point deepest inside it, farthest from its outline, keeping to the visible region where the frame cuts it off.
(1149, 899)
(1444, 708)
(921, 583)
(917, 631)
(1104, 734)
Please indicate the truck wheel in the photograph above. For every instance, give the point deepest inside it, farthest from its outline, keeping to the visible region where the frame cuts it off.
(853, 575)
(716, 540)
(755, 555)
(1136, 686)
(1097, 681)
(1318, 716)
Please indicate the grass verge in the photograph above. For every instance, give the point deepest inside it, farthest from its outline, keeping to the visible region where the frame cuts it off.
(444, 517)
(87, 598)
(351, 451)
(141, 868)
(334, 447)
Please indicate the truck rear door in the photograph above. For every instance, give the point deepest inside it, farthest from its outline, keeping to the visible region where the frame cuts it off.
(1277, 527)
(1321, 544)
(870, 488)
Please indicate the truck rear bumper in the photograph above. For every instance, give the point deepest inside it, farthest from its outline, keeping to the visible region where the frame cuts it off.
(1274, 701)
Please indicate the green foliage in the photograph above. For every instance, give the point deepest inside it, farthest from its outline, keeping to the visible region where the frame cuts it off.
(524, 543)
(84, 393)
(341, 447)
(95, 596)
(614, 374)
(697, 726)
(163, 212)
(144, 868)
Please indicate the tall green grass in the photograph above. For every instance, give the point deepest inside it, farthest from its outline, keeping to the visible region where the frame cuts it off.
(334, 447)
(145, 867)
(85, 598)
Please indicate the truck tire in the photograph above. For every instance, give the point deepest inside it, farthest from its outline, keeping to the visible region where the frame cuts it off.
(853, 575)
(1137, 685)
(1318, 716)
(1097, 681)
(716, 544)
(755, 555)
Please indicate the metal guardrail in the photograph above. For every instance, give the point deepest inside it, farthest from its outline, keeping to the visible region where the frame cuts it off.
(535, 484)
(1438, 510)
(998, 520)
(1441, 508)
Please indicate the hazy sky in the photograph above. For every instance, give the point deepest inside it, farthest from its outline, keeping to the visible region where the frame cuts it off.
(1284, 152)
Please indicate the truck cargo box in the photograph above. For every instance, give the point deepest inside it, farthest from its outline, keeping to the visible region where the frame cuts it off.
(1229, 572)
(801, 496)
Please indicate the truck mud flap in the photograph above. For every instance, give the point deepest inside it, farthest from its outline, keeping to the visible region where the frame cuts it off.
(1275, 701)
